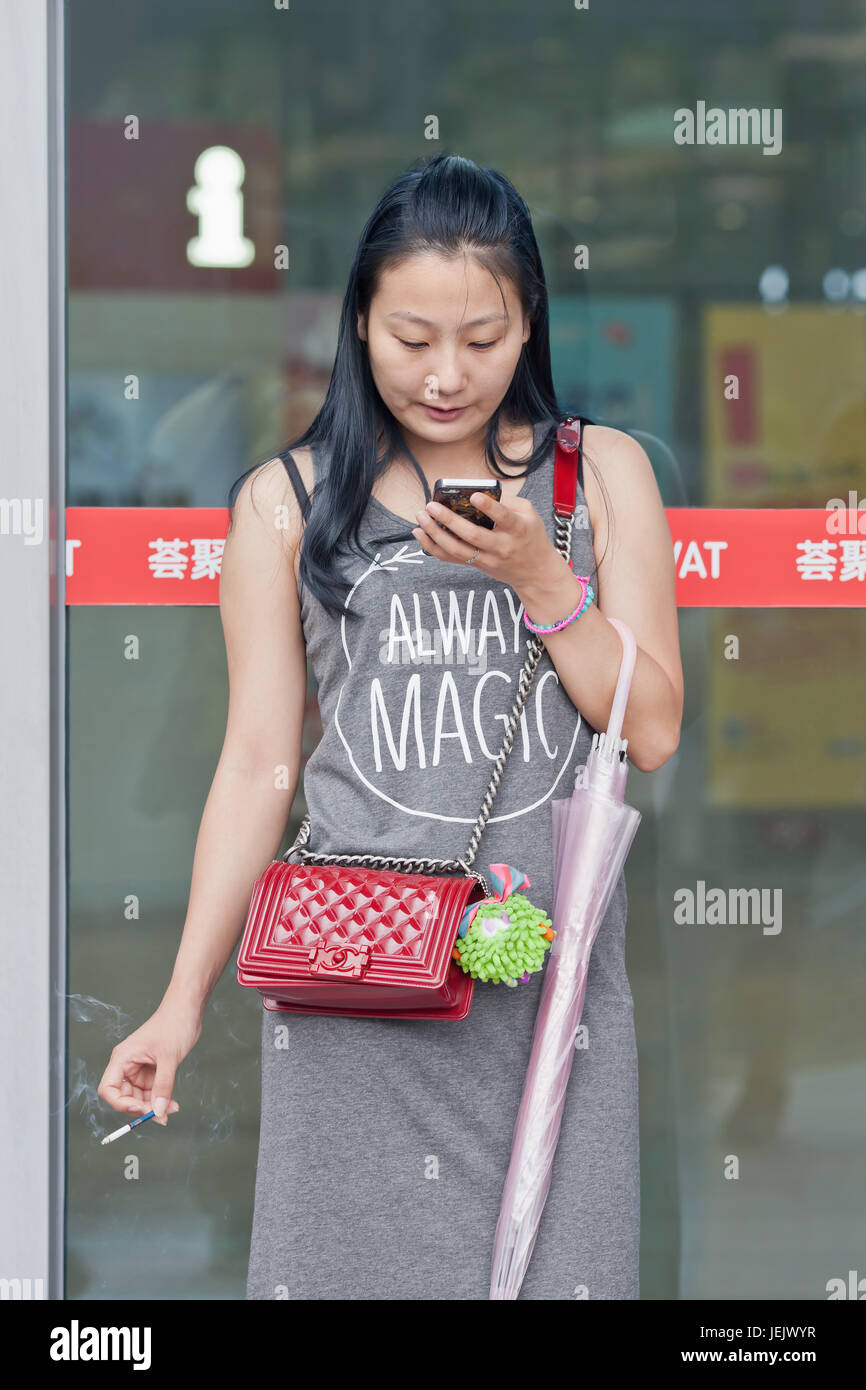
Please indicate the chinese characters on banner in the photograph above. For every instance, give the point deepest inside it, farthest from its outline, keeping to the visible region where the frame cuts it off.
(735, 557)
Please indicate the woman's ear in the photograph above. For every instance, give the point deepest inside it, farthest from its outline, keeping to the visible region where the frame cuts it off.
(362, 327)
(526, 327)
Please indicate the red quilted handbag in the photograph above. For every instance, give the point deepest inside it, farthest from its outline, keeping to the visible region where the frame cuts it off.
(367, 935)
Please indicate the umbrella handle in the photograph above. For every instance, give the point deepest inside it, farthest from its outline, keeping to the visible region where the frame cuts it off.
(623, 685)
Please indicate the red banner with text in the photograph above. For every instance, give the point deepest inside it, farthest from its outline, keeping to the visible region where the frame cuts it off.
(724, 557)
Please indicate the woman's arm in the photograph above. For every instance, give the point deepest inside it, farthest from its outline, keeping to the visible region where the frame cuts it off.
(256, 777)
(636, 583)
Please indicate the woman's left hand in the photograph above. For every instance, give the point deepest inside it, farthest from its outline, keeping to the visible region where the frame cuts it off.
(517, 552)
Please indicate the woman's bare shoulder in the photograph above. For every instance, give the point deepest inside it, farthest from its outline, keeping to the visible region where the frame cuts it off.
(622, 463)
(608, 446)
(267, 498)
(274, 472)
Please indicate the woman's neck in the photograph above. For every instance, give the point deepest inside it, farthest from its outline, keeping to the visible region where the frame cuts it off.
(464, 459)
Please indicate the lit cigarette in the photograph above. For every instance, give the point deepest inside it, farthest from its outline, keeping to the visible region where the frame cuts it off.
(124, 1129)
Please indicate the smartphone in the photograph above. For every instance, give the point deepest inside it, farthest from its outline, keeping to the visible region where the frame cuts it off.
(454, 493)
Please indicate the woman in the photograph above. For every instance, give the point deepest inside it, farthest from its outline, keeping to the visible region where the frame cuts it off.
(384, 1143)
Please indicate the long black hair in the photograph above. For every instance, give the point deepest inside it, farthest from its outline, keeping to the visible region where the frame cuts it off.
(450, 206)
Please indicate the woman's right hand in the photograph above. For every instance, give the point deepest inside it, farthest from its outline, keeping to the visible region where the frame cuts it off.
(140, 1075)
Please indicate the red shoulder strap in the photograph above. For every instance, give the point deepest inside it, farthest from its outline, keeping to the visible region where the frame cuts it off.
(566, 461)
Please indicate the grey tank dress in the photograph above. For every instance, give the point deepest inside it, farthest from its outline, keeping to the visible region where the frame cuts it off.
(384, 1143)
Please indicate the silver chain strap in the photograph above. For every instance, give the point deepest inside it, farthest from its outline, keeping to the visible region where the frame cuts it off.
(564, 527)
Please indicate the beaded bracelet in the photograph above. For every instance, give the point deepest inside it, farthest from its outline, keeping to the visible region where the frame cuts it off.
(586, 598)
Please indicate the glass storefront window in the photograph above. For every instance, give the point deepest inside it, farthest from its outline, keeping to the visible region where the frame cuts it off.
(193, 354)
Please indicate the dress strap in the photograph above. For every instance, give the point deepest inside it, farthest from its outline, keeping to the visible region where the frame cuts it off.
(297, 482)
(580, 458)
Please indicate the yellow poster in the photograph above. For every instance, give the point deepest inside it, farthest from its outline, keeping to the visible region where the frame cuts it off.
(786, 720)
(790, 430)
(785, 426)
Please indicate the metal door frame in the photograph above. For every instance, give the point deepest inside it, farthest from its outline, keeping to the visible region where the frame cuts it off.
(32, 639)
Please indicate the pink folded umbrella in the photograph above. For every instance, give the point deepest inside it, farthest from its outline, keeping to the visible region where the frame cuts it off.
(593, 832)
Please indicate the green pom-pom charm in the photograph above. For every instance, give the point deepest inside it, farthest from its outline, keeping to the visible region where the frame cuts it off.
(506, 941)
